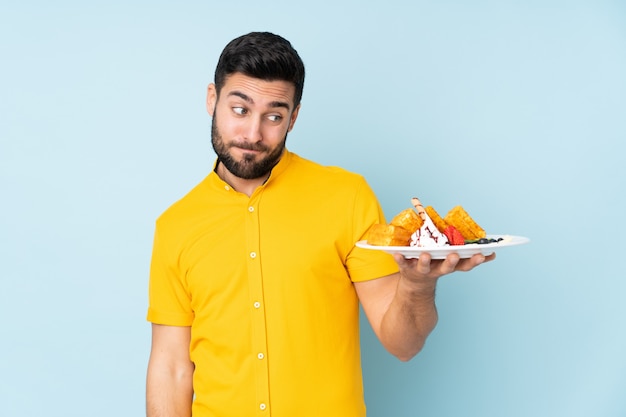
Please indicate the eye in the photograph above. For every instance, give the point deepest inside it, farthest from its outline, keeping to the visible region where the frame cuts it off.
(240, 110)
(275, 118)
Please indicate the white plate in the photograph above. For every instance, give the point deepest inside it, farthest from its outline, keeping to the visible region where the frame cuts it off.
(464, 251)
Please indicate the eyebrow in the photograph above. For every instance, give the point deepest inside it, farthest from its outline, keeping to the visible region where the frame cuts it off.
(248, 99)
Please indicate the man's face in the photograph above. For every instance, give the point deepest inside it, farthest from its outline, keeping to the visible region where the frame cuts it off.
(251, 120)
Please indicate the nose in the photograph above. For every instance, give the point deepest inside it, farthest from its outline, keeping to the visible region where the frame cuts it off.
(252, 130)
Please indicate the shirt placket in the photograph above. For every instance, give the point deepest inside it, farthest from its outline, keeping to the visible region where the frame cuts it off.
(257, 308)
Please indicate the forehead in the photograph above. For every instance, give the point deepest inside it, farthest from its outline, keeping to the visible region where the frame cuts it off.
(259, 92)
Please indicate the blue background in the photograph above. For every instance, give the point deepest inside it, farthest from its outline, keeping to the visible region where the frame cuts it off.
(516, 110)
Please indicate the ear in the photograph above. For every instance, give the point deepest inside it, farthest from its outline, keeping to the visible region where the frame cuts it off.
(211, 99)
(294, 116)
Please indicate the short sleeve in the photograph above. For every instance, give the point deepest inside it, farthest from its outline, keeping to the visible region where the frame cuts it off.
(366, 264)
(169, 299)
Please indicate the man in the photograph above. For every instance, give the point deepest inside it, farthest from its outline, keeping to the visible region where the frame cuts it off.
(255, 281)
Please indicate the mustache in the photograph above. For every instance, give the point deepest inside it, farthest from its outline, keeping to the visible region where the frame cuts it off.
(259, 147)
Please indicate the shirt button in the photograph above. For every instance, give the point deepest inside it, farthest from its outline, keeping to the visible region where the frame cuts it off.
(250, 209)
(253, 255)
(260, 356)
(226, 187)
(262, 406)
(257, 304)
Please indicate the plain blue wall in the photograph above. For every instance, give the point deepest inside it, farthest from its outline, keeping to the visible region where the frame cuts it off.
(516, 111)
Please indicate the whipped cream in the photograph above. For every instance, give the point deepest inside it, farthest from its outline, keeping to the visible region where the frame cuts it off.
(428, 235)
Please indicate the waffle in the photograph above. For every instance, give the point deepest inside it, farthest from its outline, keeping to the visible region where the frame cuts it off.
(439, 222)
(407, 219)
(388, 235)
(462, 221)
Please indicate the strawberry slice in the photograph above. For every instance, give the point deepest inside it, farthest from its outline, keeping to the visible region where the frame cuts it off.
(455, 237)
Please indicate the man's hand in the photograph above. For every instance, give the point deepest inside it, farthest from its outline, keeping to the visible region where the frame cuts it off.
(425, 271)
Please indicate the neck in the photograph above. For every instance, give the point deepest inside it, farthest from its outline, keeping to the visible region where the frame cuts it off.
(239, 184)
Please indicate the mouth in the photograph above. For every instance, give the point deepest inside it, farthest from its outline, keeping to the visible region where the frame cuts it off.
(247, 148)
(245, 154)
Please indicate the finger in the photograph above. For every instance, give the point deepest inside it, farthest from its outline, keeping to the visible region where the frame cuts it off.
(402, 261)
(423, 264)
(490, 257)
(471, 263)
(450, 263)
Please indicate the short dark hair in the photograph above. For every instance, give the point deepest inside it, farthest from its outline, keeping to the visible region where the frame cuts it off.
(262, 55)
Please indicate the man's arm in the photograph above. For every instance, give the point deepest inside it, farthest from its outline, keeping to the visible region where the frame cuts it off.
(401, 307)
(169, 388)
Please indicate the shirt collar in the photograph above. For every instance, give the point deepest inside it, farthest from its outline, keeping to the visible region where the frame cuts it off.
(278, 169)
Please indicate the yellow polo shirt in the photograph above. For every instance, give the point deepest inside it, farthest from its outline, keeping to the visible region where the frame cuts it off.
(265, 282)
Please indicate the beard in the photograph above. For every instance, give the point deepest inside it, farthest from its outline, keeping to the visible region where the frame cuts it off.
(249, 167)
